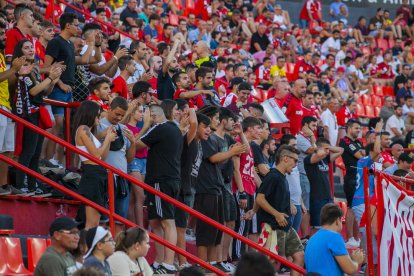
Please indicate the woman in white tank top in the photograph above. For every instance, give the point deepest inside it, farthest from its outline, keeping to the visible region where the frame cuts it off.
(94, 181)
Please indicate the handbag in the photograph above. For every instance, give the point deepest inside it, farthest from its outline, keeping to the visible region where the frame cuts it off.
(121, 187)
(45, 121)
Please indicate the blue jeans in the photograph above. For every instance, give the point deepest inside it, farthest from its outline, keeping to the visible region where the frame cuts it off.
(296, 219)
(303, 24)
(59, 95)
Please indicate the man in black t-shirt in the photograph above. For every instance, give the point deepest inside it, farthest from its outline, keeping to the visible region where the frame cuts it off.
(261, 163)
(191, 158)
(259, 39)
(317, 170)
(165, 85)
(273, 208)
(353, 151)
(163, 173)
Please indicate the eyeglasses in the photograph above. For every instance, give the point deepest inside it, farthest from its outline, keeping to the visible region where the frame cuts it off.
(110, 241)
(73, 232)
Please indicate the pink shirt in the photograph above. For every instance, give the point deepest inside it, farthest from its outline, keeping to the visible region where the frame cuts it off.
(142, 153)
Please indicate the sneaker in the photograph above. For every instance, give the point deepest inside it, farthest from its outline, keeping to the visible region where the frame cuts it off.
(15, 191)
(283, 269)
(231, 267)
(362, 268)
(51, 165)
(184, 265)
(72, 176)
(163, 270)
(352, 243)
(190, 235)
(27, 192)
(222, 266)
(38, 192)
(4, 190)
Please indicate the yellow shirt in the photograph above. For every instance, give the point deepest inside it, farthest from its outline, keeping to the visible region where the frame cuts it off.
(276, 71)
(200, 61)
(4, 86)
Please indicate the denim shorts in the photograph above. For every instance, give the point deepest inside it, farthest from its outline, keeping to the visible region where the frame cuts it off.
(59, 95)
(315, 210)
(138, 165)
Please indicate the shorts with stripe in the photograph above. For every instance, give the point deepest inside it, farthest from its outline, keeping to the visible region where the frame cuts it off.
(158, 208)
(212, 207)
(7, 140)
(243, 227)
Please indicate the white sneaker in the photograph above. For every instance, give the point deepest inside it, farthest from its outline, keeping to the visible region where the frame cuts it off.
(231, 267)
(184, 265)
(352, 243)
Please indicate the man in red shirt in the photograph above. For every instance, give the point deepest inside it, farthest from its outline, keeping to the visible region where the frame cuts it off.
(346, 113)
(309, 108)
(263, 74)
(302, 66)
(24, 22)
(245, 181)
(223, 84)
(385, 69)
(315, 63)
(311, 11)
(167, 33)
(127, 66)
(292, 106)
(46, 35)
(194, 98)
(385, 160)
(100, 89)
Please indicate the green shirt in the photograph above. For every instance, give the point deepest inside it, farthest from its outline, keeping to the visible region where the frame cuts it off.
(55, 264)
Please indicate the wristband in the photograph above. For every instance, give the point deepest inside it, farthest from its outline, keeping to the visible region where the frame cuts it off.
(115, 58)
(242, 195)
(51, 80)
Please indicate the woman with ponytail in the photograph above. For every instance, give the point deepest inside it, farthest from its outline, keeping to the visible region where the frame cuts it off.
(131, 248)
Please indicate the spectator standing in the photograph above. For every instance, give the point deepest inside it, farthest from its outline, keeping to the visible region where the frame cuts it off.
(317, 170)
(127, 67)
(165, 86)
(330, 124)
(139, 52)
(165, 144)
(292, 105)
(311, 11)
(57, 260)
(325, 252)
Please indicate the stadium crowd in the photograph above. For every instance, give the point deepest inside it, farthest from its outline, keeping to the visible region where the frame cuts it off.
(177, 104)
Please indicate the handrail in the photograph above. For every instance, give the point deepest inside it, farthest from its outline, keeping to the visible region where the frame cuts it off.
(154, 191)
(105, 211)
(102, 22)
(370, 256)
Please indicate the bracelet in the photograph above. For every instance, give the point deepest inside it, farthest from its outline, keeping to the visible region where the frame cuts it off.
(115, 58)
(51, 80)
(242, 195)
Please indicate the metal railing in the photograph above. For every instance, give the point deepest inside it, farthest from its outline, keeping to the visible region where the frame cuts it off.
(145, 186)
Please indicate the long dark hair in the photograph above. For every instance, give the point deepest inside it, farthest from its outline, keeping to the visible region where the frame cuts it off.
(125, 239)
(85, 115)
(168, 106)
(18, 52)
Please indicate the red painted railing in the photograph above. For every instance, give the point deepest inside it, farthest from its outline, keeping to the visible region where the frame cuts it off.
(148, 188)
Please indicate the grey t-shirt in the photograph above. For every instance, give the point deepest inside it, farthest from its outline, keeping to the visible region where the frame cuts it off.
(52, 263)
(116, 159)
(303, 145)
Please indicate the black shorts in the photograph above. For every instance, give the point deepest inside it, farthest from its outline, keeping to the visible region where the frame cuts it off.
(350, 184)
(94, 184)
(158, 208)
(212, 207)
(230, 206)
(181, 216)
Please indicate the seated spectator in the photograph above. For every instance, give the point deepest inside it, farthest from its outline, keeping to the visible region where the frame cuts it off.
(131, 248)
(395, 125)
(325, 252)
(405, 162)
(254, 263)
(101, 245)
(64, 234)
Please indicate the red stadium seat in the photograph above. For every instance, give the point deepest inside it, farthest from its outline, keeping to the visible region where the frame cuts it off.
(378, 90)
(376, 100)
(369, 111)
(3, 260)
(49, 242)
(14, 257)
(366, 100)
(35, 249)
(388, 91)
(360, 111)
(382, 43)
(377, 110)
(391, 43)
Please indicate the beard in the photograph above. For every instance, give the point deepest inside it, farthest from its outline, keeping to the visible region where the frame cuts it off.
(174, 70)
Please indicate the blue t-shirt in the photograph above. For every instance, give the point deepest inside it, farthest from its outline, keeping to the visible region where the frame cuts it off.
(321, 251)
(359, 191)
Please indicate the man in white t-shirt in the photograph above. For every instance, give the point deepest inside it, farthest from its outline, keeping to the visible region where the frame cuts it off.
(332, 45)
(395, 125)
(328, 119)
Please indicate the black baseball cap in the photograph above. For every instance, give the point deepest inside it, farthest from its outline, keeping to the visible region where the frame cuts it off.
(405, 156)
(64, 223)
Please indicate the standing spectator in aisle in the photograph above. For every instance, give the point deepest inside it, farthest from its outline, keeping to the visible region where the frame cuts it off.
(311, 12)
(27, 103)
(273, 209)
(244, 186)
(94, 181)
(297, 206)
(317, 170)
(306, 142)
(130, 14)
(259, 40)
(210, 184)
(23, 15)
(353, 151)
(127, 67)
(191, 157)
(165, 86)
(329, 121)
(387, 110)
(61, 50)
(165, 144)
(57, 260)
(7, 132)
(396, 126)
(325, 252)
(121, 152)
(292, 106)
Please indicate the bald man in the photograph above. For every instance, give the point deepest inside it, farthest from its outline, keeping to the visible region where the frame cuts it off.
(292, 106)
